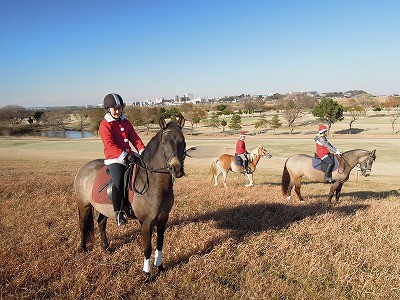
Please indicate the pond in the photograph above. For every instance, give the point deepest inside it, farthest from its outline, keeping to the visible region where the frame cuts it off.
(66, 134)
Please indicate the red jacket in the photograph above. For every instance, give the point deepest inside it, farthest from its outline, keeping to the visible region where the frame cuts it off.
(240, 147)
(116, 135)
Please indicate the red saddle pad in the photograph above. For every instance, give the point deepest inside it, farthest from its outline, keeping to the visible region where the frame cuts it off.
(99, 191)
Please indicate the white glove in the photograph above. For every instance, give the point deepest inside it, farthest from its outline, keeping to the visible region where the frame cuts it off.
(338, 152)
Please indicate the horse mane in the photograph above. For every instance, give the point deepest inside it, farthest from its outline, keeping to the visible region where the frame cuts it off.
(254, 153)
(370, 152)
(154, 143)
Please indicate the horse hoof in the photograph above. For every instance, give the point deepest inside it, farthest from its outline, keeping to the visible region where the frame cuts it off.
(148, 278)
(108, 250)
(161, 268)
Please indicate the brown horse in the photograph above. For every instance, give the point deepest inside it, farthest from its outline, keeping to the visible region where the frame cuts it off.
(226, 162)
(162, 159)
(301, 165)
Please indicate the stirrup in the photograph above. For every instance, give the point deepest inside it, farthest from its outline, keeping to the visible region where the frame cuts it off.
(120, 218)
(329, 180)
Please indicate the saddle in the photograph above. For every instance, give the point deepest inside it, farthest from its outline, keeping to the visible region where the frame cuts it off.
(238, 160)
(102, 186)
(319, 165)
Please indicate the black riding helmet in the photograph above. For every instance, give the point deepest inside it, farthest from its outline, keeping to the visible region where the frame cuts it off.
(112, 100)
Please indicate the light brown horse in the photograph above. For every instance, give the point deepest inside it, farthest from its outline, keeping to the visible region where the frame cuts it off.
(301, 165)
(162, 159)
(226, 162)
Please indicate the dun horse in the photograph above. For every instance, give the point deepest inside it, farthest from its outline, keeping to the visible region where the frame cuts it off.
(226, 162)
(162, 159)
(301, 165)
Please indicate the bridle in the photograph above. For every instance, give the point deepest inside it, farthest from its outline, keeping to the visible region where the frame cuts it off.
(160, 170)
(358, 163)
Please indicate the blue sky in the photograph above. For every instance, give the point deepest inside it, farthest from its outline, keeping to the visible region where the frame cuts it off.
(75, 52)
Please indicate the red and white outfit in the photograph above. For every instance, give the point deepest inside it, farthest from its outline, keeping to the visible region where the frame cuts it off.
(240, 147)
(116, 135)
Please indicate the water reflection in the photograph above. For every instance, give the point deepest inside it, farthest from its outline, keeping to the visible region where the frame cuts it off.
(66, 134)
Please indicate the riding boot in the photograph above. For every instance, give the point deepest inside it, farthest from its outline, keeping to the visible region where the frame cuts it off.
(246, 167)
(328, 173)
(128, 209)
(120, 215)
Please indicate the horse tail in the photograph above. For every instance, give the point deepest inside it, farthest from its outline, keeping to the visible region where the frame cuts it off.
(213, 167)
(285, 179)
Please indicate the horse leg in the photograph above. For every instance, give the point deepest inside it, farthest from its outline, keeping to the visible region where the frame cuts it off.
(289, 190)
(86, 226)
(160, 243)
(297, 186)
(338, 191)
(146, 240)
(251, 182)
(102, 222)
(224, 174)
(332, 191)
(216, 176)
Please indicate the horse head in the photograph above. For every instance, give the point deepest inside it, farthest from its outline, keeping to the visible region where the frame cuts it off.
(262, 152)
(174, 146)
(366, 164)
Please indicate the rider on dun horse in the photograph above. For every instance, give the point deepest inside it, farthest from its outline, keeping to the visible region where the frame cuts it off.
(325, 151)
(116, 132)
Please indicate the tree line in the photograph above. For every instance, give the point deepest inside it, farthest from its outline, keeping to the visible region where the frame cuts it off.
(289, 108)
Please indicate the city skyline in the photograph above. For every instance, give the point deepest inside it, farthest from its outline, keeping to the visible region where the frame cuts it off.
(60, 54)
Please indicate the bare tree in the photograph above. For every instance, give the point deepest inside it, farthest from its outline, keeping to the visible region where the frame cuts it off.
(393, 118)
(13, 114)
(192, 114)
(81, 115)
(354, 111)
(294, 106)
(96, 115)
(56, 119)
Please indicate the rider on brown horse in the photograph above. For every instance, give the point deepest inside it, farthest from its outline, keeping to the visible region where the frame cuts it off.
(116, 132)
(325, 151)
(241, 151)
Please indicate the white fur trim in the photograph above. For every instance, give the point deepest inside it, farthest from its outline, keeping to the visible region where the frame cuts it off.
(110, 119)
(158, 258)
(146, 266)
(119, 160)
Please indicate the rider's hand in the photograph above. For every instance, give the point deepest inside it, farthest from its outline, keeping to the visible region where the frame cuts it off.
(130, 158)
(338, 152)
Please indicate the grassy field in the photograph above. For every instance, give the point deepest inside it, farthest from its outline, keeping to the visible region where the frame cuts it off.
(238, 243)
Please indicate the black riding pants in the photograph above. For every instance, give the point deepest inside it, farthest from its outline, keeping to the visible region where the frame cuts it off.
(117, 172)
(329, 160)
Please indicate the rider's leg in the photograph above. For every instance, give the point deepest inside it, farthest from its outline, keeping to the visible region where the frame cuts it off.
(329, 167)
(117, 177)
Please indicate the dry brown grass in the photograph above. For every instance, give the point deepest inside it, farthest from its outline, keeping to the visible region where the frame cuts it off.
(237, 243)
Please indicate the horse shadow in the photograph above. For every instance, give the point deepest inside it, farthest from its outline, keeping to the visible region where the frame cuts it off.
(366, 195)
(256, 218)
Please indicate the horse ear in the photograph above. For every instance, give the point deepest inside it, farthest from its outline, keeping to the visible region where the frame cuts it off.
(373, 154)
(162, 123)
(181, 121)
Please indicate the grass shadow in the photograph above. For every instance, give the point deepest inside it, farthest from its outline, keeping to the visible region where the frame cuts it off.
(254, 218)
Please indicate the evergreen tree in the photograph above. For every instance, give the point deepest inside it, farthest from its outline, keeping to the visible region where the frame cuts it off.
(235, 122)
(328, 110)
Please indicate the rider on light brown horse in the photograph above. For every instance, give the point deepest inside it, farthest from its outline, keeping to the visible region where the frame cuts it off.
(242, 152)
(325, 151)
(116, 132)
